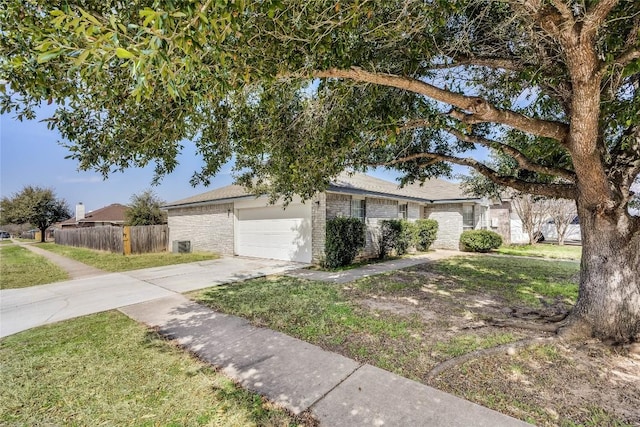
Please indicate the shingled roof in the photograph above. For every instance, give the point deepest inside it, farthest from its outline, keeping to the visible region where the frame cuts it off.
(113, 213)
(359, 183)
(433, 189)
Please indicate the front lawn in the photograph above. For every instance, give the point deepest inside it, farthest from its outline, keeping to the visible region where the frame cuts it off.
(543, 251)
(21, 268)
(116, 262)
(411, 321)
(106, 369)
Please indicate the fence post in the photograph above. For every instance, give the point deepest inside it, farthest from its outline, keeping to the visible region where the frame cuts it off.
(126, 240)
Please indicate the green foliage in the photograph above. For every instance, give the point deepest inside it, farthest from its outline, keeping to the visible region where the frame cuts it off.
(238, 79)
(543, 251)
(396, 235)
(144, 209)
(480, 240)
(106, 369)
(425, 233)
(118, 262)
(34, 205)
(22, 268)
(345, 238)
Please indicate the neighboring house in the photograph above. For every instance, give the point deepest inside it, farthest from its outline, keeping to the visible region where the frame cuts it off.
(548, 231)
(231, 221)
(108, 215)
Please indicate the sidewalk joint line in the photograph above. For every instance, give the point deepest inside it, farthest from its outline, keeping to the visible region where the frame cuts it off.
(360, 365)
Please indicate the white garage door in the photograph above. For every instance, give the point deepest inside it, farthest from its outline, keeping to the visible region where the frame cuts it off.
(271, 232)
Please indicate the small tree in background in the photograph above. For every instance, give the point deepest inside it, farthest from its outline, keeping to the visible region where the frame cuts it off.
(533, 212)
(34, 205)
(562, 211)
(144, 209)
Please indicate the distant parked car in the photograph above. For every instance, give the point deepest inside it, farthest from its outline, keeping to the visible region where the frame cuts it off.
(5, 235)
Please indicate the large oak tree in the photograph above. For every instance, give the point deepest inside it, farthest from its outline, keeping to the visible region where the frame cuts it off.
(297, 91)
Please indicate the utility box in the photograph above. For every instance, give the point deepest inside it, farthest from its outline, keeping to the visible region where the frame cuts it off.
(181, 246)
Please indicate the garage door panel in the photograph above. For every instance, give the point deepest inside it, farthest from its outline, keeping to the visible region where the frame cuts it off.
(272, 232)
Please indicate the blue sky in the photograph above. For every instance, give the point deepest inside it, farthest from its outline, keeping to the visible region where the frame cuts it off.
(30, 155)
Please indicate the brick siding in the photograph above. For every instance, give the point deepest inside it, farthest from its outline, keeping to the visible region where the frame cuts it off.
(449, 217)
(209, 227)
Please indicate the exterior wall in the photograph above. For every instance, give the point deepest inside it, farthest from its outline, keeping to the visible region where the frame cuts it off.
(209, 227)
(500, 221)
(319, 213)
(377, 210)
(338, 205)
(413, 211)
(449, 217)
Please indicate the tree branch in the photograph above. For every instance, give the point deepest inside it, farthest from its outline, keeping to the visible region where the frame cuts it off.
(565, 191)
(490, 62)
(479, 109)
(523, 161)
(596, 15)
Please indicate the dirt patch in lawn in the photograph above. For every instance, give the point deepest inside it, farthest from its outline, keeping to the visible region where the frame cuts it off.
(478, 327)
(553, 383)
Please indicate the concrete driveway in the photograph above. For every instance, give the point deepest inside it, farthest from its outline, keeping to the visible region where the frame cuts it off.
(22, 309)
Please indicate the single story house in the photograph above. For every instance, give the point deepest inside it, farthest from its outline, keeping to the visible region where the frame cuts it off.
(231, 221)
(114, 214)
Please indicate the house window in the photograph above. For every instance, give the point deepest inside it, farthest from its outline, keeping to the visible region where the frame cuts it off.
(358, 209)
(403, 211)
(468, 217)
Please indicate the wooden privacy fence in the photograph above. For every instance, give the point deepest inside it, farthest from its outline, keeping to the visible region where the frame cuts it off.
(123, 240)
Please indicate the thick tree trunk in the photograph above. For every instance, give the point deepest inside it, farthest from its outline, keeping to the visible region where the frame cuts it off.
(608, 305)
(42, 231)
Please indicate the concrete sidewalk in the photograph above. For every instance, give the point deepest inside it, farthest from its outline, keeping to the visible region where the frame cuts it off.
(25, 308)
(345, 276)
(75, 269)
(336, 390)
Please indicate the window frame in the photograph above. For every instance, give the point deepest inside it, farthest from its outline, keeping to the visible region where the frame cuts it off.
(403, 210)
(358, 208)
(465, 219)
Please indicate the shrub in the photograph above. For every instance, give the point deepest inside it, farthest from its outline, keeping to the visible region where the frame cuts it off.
(425, 233)
(395, 235)
(480, 240)
(345, 238)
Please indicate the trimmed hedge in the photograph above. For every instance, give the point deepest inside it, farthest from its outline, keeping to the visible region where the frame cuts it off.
(395, 235)
(480, 240)
(345, 238)
(425, 233)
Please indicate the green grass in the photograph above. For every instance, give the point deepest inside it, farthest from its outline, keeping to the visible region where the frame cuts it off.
(313, 311)
(462, 344)
(22, 268)
(115, 262)
(106, 369)
(320, 313)
(543, 251)
(6, 242)
(517, 280)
